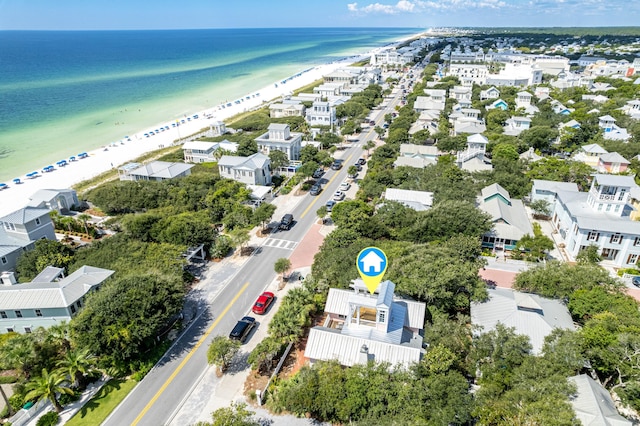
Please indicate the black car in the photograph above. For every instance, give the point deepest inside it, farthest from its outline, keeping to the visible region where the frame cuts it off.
(318, 173)
(362, 161)
(636, 281)
(242, 329)
(315, 189)
(286, 222)
(337, 165)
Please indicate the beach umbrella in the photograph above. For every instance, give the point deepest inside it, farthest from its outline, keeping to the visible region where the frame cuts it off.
(16, 181)
(3, 185)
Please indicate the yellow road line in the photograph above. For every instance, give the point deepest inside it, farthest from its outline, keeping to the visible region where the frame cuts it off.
(328, 183)
(188, 357)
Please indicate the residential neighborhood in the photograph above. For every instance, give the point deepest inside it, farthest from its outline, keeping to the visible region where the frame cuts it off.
(498, 172)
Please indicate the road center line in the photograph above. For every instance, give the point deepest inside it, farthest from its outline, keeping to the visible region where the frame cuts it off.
(188, 357)
(328, 183)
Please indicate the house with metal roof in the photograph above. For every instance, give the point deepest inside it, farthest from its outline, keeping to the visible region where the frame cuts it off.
(280, 138)
(252, 170)
(593, 404)
(155, 170)
(60, 200)
(548, 189)
(509, 217)
(529, 314)
(362, 327)
(205, 152)
(600, 217)
(612, 162)
(416, 200)
(47, 300)
(20, 230)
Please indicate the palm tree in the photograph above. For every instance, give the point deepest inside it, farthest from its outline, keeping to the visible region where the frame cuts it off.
(76, 364)
(84, 218)
(58, 335)
(48, 386)
(67, 221)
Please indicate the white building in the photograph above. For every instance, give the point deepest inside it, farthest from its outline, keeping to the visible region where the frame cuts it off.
(280, 138)
(60, 200)
(600, 217)
(19, 232)
(361, 327)
(252, 170)
(205, 152)
(321, 114)
(416, 200)
(279, 110)
(155, 171)
(508, 215)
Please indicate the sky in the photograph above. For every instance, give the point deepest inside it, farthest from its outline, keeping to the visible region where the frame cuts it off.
(183, 14)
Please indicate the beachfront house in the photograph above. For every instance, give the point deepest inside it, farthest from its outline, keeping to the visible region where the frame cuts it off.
(529, 314)
(321, 113)
(289, 109)
(20, 230)
(47, 300)
(155, 170)
(509, 218)
(361, 327)
(60, 200)
(206, 152)
(252, 170)
(280, 138)
(600, 217)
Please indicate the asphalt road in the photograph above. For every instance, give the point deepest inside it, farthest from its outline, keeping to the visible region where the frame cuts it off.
(157, 397)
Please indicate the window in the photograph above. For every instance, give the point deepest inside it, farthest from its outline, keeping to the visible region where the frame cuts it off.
(73, 309)
(632, 259)
(38, 313)
(37, 221)
(9, 329)
(18, 314)
(27, 330)
(636, 242)
(593, 236)
(78, 303)
(381, 316)
(608, 207)
(4, 260)
(3, 314)
(616, 239)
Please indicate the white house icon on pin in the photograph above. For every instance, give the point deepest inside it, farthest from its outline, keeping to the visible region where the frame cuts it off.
(372, 263)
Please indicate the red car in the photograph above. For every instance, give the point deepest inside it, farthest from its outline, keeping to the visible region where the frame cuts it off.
(263, 302)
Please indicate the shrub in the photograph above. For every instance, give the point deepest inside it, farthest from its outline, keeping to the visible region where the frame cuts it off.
(49, 419)
(65, 399)
(4, 380)
(285, 190)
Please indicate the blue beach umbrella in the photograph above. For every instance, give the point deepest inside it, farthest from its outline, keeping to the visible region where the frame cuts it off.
(16, 181)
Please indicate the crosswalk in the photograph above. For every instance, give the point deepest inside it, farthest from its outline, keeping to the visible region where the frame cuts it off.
(282, 244)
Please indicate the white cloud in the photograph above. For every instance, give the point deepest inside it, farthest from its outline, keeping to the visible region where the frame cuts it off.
(417, 6)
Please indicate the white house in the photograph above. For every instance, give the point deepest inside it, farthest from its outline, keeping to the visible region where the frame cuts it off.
(523, 99)
(416, 200)
(252, 170)
(548, 189)
(155, 171)
(632, 108)
(516, 125)
(593, 404)
(280, 138)
(321, 114)
(20, 230)
(590, 154)
(279, 110)
(460, 93)
(60, 200)
(508, 215)
(531, 315)
(47, 300)
(476, 149)
(361, 327)
(600, 217)
(611, 131)
(204, 152)
(490, 93)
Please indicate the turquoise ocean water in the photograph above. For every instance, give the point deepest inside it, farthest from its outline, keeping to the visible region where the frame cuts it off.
(66, 92)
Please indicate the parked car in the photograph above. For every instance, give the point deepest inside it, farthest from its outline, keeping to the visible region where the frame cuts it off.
(317, 173)
(262, 303)
(337, 165)
(635, 281)
(315, 189)
(362, 161)
(344, 186)
(338, 196)
(286, 222)
(242, 329)
(353, 176)
(330, 205)
(357, 166)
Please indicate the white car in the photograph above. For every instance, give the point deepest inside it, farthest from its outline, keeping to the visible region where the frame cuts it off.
(338, 196)
(344, 186)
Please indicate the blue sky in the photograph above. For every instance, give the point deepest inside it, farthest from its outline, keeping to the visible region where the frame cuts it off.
(164, 14)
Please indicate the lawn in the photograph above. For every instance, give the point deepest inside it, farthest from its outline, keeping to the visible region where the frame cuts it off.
(103, 403)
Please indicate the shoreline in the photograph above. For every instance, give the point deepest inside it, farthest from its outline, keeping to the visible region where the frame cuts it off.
(108, 157)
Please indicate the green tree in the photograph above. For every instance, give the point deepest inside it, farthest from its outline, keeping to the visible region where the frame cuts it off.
(449, 218)
(539, 137)
(263, 213)
(235, 415)
(281, 266)
(352, 170)
(46, 253)
(589, 255)
(84, 218)
(263, 356)
(322, 213)
(240, 237)
(221, 351)
(188, 229)
(506, 151)
(48, 386)
(278, 159)
(76, 364)
(537, 246)
(541, 208)
(247, 147)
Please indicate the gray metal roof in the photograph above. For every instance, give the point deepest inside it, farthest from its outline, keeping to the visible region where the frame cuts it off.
(161, 169)
(60, 294)
(24, 215)
(46, 195)
(530, 314)
(593, 404)
(418, 200)
(326, 344)
(615, 180)
(252, 162)
(417, 162)
(553, 186)
(509, 221)
(587, 218)
(493, 189)
(613, 157)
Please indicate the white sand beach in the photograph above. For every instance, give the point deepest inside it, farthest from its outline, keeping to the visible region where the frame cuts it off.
(16, 196)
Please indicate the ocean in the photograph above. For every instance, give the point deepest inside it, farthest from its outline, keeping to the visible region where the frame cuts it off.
(64, 92)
